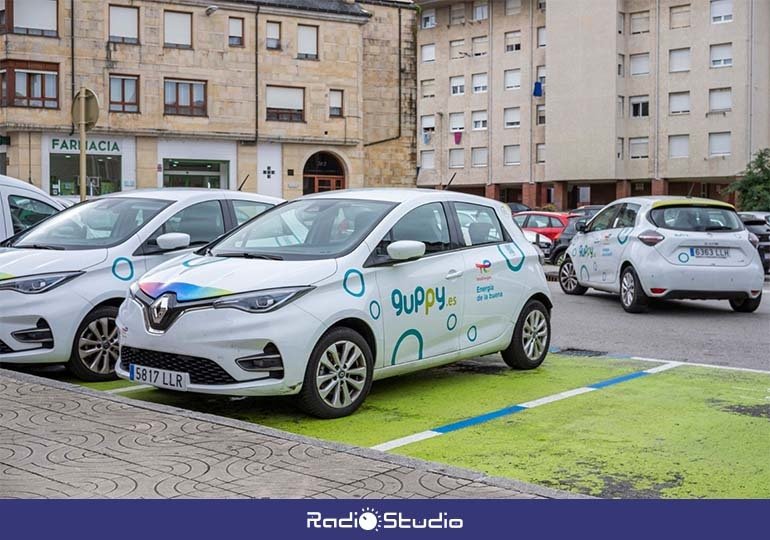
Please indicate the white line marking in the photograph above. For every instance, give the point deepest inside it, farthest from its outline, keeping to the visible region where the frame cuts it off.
(698, 364)
(663, 367)
(556, 397)
(417, 437)
(126, 389)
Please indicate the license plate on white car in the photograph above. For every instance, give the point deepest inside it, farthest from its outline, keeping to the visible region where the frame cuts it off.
(173, 380)
(709, 253)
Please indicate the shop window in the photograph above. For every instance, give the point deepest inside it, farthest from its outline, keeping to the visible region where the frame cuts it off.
(124, 24)
(193, 173)
(124, 93)
(285, 104)
(186, 98)
(30, 17)
(103, 173)
(177, 29)
(29, 84)
(235, 28)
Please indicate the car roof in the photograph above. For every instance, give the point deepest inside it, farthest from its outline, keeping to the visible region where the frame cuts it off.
(400, 195)
(19, 184)
(657, 201)
(542, 213)
(183, 194)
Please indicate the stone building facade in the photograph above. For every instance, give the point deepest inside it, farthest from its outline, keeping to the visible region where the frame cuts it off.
(281, 97)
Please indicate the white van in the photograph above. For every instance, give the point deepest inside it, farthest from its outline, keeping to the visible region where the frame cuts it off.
(22, 205)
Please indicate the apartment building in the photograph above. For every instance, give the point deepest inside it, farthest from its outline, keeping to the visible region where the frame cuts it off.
(641, 97)
(283, 97)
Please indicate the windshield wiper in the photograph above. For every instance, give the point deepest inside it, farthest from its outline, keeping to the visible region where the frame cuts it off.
(41, 246)
(249, 255)
(719, 228)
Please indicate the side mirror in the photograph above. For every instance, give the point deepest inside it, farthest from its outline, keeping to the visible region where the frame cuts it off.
(581, 226)
(406, 250)
(173, 241)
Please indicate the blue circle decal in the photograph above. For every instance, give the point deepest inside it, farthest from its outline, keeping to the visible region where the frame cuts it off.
(473, 333)
(584, 270)
(451, 322)
(123, 269)
(354, 274)
(374, 309)
(412, 332)
(684, 257)
(624, 235)
(512, 267)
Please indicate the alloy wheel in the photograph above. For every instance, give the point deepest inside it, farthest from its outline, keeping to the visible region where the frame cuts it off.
(568, 277)
(535, 334)
(627, 289)
(98, 345)
(341, 374)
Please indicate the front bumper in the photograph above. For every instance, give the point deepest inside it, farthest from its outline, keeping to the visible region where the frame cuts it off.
(221, 336)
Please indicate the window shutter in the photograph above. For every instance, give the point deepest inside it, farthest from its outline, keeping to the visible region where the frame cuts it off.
(456, 157)
(679, 60)
(177, 28)
(428, 53)
(279, 97)
(457, 121)
(236, 27)
(124, 22)
(307, 40)
(428, 159)
(720, 99)
(273, 30)
(37, 14)
(721, 10)
(679, 102)
(512, 154)
(335, 99)
(640, 64)
(513, 78)
(719, 144)
(679, 146)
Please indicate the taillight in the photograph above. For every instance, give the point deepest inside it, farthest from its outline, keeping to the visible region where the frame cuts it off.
(754, 239)
(651, 238)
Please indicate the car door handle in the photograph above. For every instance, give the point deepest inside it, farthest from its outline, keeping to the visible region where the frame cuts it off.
(454, 274)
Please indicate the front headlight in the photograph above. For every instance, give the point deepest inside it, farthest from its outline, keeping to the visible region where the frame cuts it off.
(262, 301)
(37, 284)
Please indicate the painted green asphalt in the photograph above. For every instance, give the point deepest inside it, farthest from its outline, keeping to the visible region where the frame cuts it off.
(686, 433)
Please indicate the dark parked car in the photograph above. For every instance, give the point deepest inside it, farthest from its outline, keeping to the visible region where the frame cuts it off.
(759, 227)
(561, 244)
(586, 211)
(518, 207)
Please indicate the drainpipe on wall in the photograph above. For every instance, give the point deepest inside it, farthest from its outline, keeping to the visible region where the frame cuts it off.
(533, 72)
(72, 55)
(256, 83)
(657, 90)
(490, 86)
(750, 122)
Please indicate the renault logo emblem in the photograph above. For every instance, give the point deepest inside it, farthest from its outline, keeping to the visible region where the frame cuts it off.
(159, 308)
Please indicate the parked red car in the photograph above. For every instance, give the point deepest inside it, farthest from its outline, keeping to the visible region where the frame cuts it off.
(549, 224)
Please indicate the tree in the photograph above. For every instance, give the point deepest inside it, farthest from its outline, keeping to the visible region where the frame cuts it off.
(754, 188)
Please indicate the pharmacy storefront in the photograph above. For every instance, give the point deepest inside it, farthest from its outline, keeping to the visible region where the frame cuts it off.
(110, 164)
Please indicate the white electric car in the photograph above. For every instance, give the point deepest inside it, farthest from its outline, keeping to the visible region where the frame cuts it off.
(322, 295)
(665, 247)
(61, 282)
(23, 205)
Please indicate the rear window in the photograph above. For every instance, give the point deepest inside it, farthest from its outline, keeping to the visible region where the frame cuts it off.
(696, 219)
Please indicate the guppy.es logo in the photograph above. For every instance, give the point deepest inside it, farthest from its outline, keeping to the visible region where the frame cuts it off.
(370, 519)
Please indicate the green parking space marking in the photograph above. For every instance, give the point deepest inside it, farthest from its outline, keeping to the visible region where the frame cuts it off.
(688, 432)
(405, 405)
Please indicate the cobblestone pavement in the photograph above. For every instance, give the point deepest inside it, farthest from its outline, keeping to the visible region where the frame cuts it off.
(62, 441)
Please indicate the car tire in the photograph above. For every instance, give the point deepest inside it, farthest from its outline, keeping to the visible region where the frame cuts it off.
(568, 280)
(531, 337)
(337, 383)
(632, 296)
(95, 347)
(558, 258)
(746, 305)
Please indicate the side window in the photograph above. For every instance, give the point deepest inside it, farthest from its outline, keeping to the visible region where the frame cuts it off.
(203, 222)
(427, 224)
(536, 221)
(26, 212)
(627, 216)
(479, 224)
(556, 224)
(246, 210)
(520, 220)
(604, 219)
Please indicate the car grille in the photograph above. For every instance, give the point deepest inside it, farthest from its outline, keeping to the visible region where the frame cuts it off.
(5, 349)
(201, 370)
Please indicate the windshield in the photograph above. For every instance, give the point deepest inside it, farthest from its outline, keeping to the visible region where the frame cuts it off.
(93, 224)
(306, 229)
(696, 218)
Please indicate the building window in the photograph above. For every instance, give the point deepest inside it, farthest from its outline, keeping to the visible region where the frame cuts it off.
(512, 7)
(621, 106)
(456, 122)
(457, 13)
(428, 124)
(679, 17)
(722, 55)
(640, 22)
(285, 104)
(428, 159)
(428, 88)
(124, 24)
(456, 158)
(640, 64)
(513, 41)
(541, 36)
(540, 153)
(479, 120)
(479, 157)
(719, 144)
(456, 49)
(457, 85)
(480, 85)
(720, 99)
(639, 147)
(678, 60)
(541, 5)
(621, 23)
(124, 93)
(678, 146)
(541, 75)
(29, 84)
(177, 29)
(621, 65)
(480, 46)
(540, 115)
(512, 79)
(619, 148)
(480, 10)
(679, 103)
(640, 106)
(428, 53)
(30, 17)
(721, 11)
(235, 36)
(273, 32)
(428, 19)
(512, 117)
(186, 98)
(335, 103)
(512, 154)
(307, 42)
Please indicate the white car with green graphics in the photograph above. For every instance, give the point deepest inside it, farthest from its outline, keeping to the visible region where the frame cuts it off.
(62, 281)
(322, 295)
(665, 247)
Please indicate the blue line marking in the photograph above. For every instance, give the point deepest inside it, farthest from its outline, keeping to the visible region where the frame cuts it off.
(618, 380)
(479, 419)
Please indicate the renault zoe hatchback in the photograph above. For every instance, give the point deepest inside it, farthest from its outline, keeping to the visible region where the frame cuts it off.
(665, 247)
(62, 281)
(322, 295)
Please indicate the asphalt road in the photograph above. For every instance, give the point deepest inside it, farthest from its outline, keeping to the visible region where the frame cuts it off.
(691, 331)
